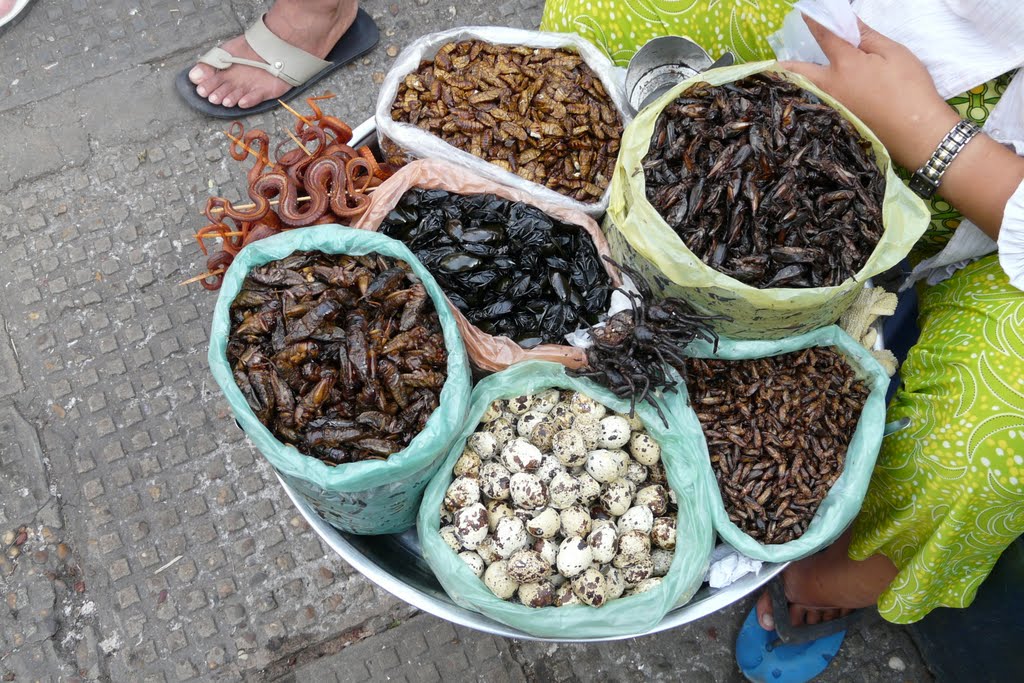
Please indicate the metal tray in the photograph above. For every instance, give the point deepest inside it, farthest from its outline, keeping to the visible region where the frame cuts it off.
(394, 561)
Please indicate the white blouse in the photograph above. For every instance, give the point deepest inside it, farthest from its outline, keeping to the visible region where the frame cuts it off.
(965, 43)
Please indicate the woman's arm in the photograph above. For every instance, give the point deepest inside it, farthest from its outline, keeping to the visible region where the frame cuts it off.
(889, 89)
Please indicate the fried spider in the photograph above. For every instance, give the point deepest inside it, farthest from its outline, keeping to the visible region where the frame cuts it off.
(632, 351)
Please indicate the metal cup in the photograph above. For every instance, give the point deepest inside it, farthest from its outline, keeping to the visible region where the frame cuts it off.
(662, 63)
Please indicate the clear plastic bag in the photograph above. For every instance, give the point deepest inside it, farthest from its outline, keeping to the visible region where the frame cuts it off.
(373, 496)
(640, 237)
(843, 501)
(485, 351)
(633, 615)
(418, 143)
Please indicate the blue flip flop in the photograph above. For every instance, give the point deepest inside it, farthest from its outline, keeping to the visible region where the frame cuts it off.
(791, 654)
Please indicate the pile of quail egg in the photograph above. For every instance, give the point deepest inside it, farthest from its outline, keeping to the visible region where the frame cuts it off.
(558, 501)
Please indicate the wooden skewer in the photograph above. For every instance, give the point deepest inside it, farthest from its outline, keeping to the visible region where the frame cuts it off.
(246, 207)
(294, 113)
(215, 235)
(299, 143)
(197, 278)
(240, 143)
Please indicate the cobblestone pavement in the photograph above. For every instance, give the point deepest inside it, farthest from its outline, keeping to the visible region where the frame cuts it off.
(141, 537)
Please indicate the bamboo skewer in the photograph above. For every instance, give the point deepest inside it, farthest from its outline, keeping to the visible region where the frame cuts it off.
(246, 207)
(215, 235)
(197, 278)
(299, 143)
(296, 114)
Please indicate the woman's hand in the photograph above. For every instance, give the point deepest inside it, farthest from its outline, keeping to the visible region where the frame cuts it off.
(887, 87)
(890, 90)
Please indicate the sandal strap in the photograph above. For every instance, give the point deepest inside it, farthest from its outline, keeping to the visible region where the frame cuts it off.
(292, 65)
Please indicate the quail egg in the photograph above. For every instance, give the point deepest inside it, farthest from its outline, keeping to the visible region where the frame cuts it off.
(590, 587)
(633, 545)
(462, 492)
(636, 472)
(527, 566)
(451, 537)
(606, 466)
(638, 518)
(502, 430)
(520, 404)
(614, 432)
(509, 536)
(543, 433)
(636, 572)
(527, 491)
(646, 585)
(527, 421)
(548, 549)
(487, 551)
(635, 423)
(497, 510)
(564, 595)
(519, 455)
(495, 480)
(484, 444)
(546, 400)
(539, 594)
(581, 404)
(661, 561)
(574, 556)
(468, 464)
(568, 446)
(590, 488)
(575, 521)
(564, 490)
(663, 533)
(473, 561)
(497, 578)
(645, 449)
(545, 524)
(562, 416)
(602, 543)
(493, 411)
(614, 583)
(549, 467)
(589, 428)
(617, 497)
(471, 525)
(654, 497)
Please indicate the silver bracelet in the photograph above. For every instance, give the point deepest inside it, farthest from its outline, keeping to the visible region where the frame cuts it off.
(925, 182)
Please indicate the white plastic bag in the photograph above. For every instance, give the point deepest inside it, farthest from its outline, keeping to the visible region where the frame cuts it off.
(423, 145)
(794, 41)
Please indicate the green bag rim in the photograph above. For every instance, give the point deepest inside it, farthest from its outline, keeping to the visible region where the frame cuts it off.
(349, 477)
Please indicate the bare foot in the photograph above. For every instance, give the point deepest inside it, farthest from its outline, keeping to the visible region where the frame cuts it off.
(312, 25)
(829, 585)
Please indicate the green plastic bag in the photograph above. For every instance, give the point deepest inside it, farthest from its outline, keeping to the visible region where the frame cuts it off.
(627, 616)
(843, 501)
(640, 237)
(370, 497)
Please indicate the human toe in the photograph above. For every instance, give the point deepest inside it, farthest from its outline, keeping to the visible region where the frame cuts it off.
(200, 72)
(764, 612)
(217, 96)
(232, 97)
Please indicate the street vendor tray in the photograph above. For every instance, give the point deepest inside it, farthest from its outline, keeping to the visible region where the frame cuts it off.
(394, 561)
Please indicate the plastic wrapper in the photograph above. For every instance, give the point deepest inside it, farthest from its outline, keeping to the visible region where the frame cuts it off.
(368, 497)
(417, 143)
(843, 501)
(680, 442)
(485, 351)
(640, 237)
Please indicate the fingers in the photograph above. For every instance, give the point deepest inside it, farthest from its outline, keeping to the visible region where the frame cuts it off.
(834, 47)
(873, 42)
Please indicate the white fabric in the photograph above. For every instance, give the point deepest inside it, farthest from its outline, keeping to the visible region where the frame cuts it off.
(963, 43)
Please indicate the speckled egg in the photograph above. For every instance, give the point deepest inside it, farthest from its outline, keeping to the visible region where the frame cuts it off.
(581, 404)
(528, 491)
(462, 492)
(574, 556)
(590, 488)
(602, 522)
(497, 578)
(602, 543)
(528, 566)
(646, 585)
(615, 585)
(563, 491)
(568, 446)
(636, 518)
(543, 434)
(497, 510)
(635, 423)
(509, 536)
(447, 517)
(518, 405)
(564, 595)
(632, 545)
(494, 480)
(468, 464)
(544, 524)
(484, 444)
(527, 422)
(548, 549)
(502, 430)
(605, 465)
(524, 515)
(663, 533)
(617, 497)
(473, 561)
(654, 497)
(589, 428)
(471, 525)
(645, 449)
(575, 521)
(546, 400)
(591, 588)
(661, 561)
(519, 455)
(494, 411)
(451, 538)
(549, 467)
(539, 594)
(636, 472)
(614, 432)
(487, 551)
(562, 416)
(636, 572)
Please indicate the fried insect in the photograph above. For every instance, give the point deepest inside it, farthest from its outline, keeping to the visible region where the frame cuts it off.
(765, 183)
(777, 431)
(322, 353)
(542, 113)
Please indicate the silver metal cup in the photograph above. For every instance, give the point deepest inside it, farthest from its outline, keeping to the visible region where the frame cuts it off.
(662, 63)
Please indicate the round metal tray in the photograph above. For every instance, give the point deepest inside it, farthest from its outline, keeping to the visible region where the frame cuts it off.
(394, 561)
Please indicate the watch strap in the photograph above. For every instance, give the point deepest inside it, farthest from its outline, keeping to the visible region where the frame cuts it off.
(925, 182)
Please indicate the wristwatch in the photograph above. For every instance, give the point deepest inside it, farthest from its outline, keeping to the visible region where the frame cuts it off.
(925, 182)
